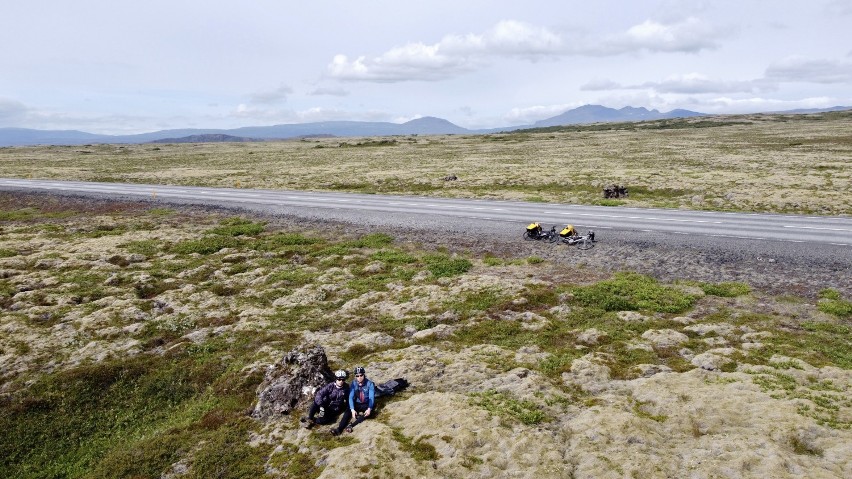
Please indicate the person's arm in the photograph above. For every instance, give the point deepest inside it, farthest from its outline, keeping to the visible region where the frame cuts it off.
(352, 399)
(320, 396)
(371, 395)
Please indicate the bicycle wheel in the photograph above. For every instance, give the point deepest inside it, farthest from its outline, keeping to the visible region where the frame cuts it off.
(527, 236)
(585, 243)
(553, 238)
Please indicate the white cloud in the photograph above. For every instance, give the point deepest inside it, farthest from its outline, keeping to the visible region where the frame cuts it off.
(272, 96)
(11, 111)
(314, 114)
(458, 54)
(839, 7)
(601, 85)
(506, 38)
(325, 91)
(527, 115)
(798, 69)
(690, 35)
(757, 104)
(695, 83)
(689, 83)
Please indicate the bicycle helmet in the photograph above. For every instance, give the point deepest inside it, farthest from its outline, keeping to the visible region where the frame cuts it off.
(340, 374)
(359, 370)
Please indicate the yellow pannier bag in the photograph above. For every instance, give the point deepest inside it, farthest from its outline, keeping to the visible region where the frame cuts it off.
(534, 227)
(568, 231)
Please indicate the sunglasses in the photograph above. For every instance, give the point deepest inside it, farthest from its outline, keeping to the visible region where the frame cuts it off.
(359, 375)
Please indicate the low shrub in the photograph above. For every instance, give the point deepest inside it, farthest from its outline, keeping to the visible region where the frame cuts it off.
(144, 247)
(443, 266)
(633, 292)
(238, 227)
(832, 303)
(206, 245)
(502, 405)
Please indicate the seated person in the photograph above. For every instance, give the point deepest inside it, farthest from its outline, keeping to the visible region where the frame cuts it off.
(362, 397)
(332, 398)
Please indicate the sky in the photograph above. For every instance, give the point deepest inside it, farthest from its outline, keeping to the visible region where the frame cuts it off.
(121, 67)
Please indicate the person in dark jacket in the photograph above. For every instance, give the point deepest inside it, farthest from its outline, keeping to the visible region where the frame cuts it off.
(333, 398)
(362, 397)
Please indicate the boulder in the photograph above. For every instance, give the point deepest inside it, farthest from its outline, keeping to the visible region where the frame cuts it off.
(664, 338)
(291, 382)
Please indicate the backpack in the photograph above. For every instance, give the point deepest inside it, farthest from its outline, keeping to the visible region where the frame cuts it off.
(389, 388)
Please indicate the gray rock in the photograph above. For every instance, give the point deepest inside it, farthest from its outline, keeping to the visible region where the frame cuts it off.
(292, 382)
(712, 360)
(374, 267)
(631, 316)
(137, 258)
(722, 329)
(439, 331)
(648, 370)
(664, 338)
(591, 336)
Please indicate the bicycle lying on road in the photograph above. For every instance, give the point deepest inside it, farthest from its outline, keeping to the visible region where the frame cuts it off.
(586, 241)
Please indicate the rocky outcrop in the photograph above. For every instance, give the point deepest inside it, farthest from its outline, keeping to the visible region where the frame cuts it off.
(292, 382)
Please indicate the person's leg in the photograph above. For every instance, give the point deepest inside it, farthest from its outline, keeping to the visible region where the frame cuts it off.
(309, 421)
(344, 421)
(359, 412)
(315, 408)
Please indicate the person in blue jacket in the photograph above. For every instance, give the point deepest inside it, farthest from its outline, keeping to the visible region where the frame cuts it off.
(362, 397)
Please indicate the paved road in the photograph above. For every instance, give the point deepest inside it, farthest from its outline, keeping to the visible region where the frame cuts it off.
(767, 227)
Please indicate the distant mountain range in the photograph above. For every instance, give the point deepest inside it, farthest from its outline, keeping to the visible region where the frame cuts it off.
(602, 114)
(421, 126)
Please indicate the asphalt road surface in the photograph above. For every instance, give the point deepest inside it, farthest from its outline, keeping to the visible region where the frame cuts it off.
(781, 254)
(761, 227)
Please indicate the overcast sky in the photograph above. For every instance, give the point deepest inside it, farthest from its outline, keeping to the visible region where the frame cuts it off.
(116, 66)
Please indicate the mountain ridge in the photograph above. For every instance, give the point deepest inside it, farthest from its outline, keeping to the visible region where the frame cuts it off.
(427, 125)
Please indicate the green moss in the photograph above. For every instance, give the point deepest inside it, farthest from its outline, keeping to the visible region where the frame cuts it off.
(23, 214)
(292, 277)
(420, 450)
(505, 406)
(227, 454)
(118, 417)
(831, 302)
(393, 257)
(632, 292)
(484, 300)
(145, 247)
(639, 408)
(161, 212)
(373, 240)
(286, 242)
(206, 245)
(443, 266)
(800, 447)
(238, 227)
